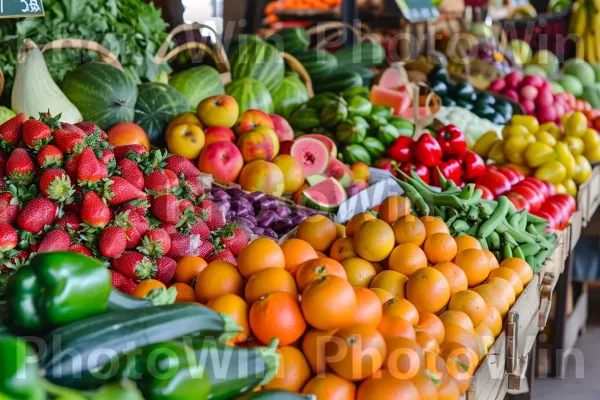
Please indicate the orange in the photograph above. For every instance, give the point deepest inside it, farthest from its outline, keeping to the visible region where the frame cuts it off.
(267, 281)
(368, 307)
(359, 272)
(293, 372)
(440, 247)
(277, 315)
(235, 307)
(407, 258)
(313, 347)
(357, 221)
(392, 281)
(404, 357)
(330, 386)
(461, 362)
(436, 366)
(340, 230)
(431, 324)
(374, 240)
(185, 293)
(448, 390)
(486, 338)
(329, 303)
(493, 298)
(409, 229)
(218, 278)
(319, 231)
(296, 252)
(342, 249)
(425, 386)
(428, 290)
(453, 317)
(260, 254)
(427, 342)
(456, 277)
(465, 242)
(494, 321)
(475, 264)
(504, 287)
(458, 335)
(393, 208)
(434, 225)
(188, 268)
(402, 308)
(511, 276)
(320, 255)
(146, 286)
(312, 270)
(378, 267)
(492, 259)
(382, 294)
(125, 133)
(471, 304)
(519, 266)
(356, 352)
(392, 326)
(385, 386)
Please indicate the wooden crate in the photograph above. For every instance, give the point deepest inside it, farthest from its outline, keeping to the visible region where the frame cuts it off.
(593, 194)
(490, 381)
(583, 199)
(575, 227)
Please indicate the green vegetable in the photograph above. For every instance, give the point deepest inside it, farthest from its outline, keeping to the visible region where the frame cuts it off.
(305, 119)
(6, 114)
(333, 114)
(123, 390)
(496, 218)
(19, 370)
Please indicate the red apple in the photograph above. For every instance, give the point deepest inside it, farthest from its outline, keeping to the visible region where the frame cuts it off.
(282, 128)
(223, 160)
(218, 134)
(220, 110)
(253, 119)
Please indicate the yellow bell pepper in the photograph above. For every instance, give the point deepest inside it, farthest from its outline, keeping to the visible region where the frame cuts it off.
(592, 155)
(551, 128)
(530, 122)
(575, 144)
(546, 138)
(570, 187)
(591, 140)
(583, 170)
(514, 130)
(539, 153)
(525, 170)
(514, 149)
(560, 188)
(565, 118)
(564, 156)
(576, 125)
(484, 143)
(496, 153)
(552, 171)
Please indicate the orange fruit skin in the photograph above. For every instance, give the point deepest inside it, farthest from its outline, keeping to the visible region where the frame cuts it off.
(494, 321)
(436, 366)
(493, 298)
(313, 347)
(296, 252)
(425, 386)
(427, 342)
(341, 230)
(504, 287)
(342, 249)
(454, 317)
(268, 281)
(448, 390)
(452, 352)
(312, 270)
(428, 290)
(382, 294)
(146, 286)
(491, 259)
(277, 315)
(235, 307)
(475, 264)
(356, 352)
(521, 267)
(125, 133)
(357, 221)
(359, 272)
(293, 373)
(485, 339)
(368, 307)
(329, 303)
(405, 357)
(392, 281)
(393, 326)
(409, 229)
(465, 242)
(393, 208)
(218, 278)
(185, 293)
(374, 240)
(434, 225)
(321, 255)
(471, 304)
(260, 254)
(402, 308)
(406, 258)
(318, 231)
(459, 336)
(456, 277)
(509, 275)
(431, 324)
(331, 387)
(188, 268)
(386, 387)
(440, 247)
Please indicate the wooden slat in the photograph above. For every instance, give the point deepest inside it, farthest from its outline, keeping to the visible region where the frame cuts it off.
(594, 193)
(576, 225)
(490, 376)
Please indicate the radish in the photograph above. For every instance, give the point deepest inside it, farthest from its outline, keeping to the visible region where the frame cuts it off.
(546, 114)
(533, 80)
(498, 85)
(528, 106)
(560, 109)
(528, 92)
(513, 80)
(511, 94)
(545, 97)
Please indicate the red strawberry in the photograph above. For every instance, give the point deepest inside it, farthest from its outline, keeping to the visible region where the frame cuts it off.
(134, 265)
(139, 223)
(10, 131)
(56, 185)
(69, 220)
(89, 128)
(55, 240)
(16, 261)
(165, 207)
(169, 228)
(185, 204)
(166, 267)
(89, 168)
(139, 206)
(72, 128)
(181, 165)
(107, 156)
(205, 248)
(193, 187)
(69, 142)
(36, 134)
(94, 212)
(234, 238)
(183, 245)
(49, 156)
(122, 151)
(158, 182)
(36, 214)
(8, 237)
(112, 242)
(3, 158)
(223, 254)
(122, 283)
(155, 243)
(121, 191)
(81, 249)
(9, 208)
(134, 226)
(71, 166)
(173, 179)
(213, 216)
(20, 167)
(200, 228)
(131, 172)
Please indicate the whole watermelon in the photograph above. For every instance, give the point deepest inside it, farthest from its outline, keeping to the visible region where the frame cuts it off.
(198, 83)
(102, 93)
(252, 57)
(156, 106)
(289, 96)
(250, 94)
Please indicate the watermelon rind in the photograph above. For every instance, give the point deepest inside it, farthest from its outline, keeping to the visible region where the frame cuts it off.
(326, 196)
(290, 40)
(197, 84)
(250, 94)
(256, 59)
(289, 96)
(315, 179)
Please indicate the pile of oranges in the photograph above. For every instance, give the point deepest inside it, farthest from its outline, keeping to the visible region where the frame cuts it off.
(385, 307)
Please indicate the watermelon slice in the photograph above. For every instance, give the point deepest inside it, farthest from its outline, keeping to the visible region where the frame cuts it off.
(315, 179)
(399, 100)
(325, 196)
(392, 78)
(326, 141)
(312, 154)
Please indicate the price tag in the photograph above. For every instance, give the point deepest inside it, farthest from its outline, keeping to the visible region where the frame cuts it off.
(21, 8)
(418, 10)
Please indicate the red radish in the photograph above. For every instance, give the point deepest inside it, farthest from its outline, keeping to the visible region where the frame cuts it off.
(528, 92)
(528, 106)
(498, 85)
(533, 80)
(545, 97)
(513, 80)
(546, 114)
(511, 94)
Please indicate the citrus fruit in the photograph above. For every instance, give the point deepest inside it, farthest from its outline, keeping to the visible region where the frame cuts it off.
(427, 342)
(313, 347)
(277, 315)
(494, 321)
(125, 133)
(440, 247)
(342, 249)
(404, 357)
(519, 266)
(475, 264)
(509, 275)
(146, 286)
(235, 307)
(506, 290)
(359, 272)
(368, 307)
(259, 254)
(340, 230)
(391, 326)
(329, 303)
(293, 372)
(385, 386)
(448, 390)
(456, 277)
(428, 290)
(392, 281)
(461, 361)
(486, 338)
(378, 267)
(188, 268)
(320, 254)
(471, 304)
(356, 221)
(296, 252)
(453, 317)
(461, 336)
(465, 242)
(431, 324)
(185, 293)
(409, 229)
(406, 258)
(393, 208)
(434, 225)
(493, 298)
(319, 231)
(218, 278)
(312, 270)
(374, 240)
(491, 259)
(330, 386)
(267, 281)
(436, 366)
(402, 308)
(425, 386)
(382, 294)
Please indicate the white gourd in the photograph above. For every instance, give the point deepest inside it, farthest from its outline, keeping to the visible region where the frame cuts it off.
(35, 91)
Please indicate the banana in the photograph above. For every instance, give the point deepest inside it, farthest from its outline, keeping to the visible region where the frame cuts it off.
(595, 4)
(579, 20)
(580, 49)
(590, 47)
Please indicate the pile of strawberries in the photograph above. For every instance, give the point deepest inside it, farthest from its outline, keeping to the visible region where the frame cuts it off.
(64, 188)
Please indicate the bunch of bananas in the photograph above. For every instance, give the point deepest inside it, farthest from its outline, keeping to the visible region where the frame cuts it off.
(585, 23)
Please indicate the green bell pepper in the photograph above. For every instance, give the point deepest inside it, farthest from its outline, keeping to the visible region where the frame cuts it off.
(19, 370)
(125, 390)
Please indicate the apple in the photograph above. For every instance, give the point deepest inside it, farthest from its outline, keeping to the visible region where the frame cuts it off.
(360, 171)
(186, 140)
(219, 110)
(218, 134)
(259, 144)
(252, 119)
(282, 128)
(184, 118)
(223, 160)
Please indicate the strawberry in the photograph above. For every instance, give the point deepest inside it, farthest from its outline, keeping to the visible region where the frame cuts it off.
(224, 255)
(185, 204)
(112, 242)
(89, 169)
(10, 131)
(134, 226)
(165, 267)
(81, 249)
(119, 190)
(72, 128)
(122, 283)
(55, 240)
(200, 228)
(192, 187)
(36, 214)
(181, 165)
(205, 248)
(233, 238)
(49, 156)
(155, 243)
(68, 141)
(134, 265)
(17, 261)
(121, 152)
(92, 129)
(20, 167)
(183, 245)
(139, 206)
(130, 171)
(94, 212)
(56, 185)
(173, 179)
(158, 182)
(165, 207)
(107, 156)
(211, 214)
(9, 208)
(169, 228)
(3, 158)
(8, 237)
(71, 166)
(36, 134)
(69, 220)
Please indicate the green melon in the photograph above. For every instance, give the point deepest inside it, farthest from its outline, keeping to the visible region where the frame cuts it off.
(102, 93)
(546, 60)
(257, 59)
(198, 83)
(250, 94)
(289, 96)
(571, 85)
(290, 39)
(580, 70)
(535, 70)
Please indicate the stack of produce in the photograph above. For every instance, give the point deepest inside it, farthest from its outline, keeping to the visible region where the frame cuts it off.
(583, 23)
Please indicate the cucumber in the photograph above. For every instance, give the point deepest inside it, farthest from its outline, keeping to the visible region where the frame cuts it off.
(73, 351)
(317, 63)
(121, 301)
(275, 394)
(367, 54)
(338, 82)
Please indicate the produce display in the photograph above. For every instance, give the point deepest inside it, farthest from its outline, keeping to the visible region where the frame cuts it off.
(470, 124)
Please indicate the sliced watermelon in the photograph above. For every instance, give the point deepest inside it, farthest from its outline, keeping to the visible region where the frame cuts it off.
(392, 78)
(312, 154)
(326, 141)
(399, 100)
(325, 196)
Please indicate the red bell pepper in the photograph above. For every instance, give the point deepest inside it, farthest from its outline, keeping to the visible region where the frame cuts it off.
(451, 169)
(420, 170)
(452, 141)
(519, 201)
(487, 193)
(495, 181)
(427, 150)
(474, 166)
(400, 150)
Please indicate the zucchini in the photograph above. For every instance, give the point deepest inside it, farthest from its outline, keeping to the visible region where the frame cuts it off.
(276, 394)
(158, 297)
(73, 351)
(367, 54)
(338, 82)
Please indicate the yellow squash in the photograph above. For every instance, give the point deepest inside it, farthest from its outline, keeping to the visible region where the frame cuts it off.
(575, 144)
(539, 153)
(484, 143)
(514, 148)
(564, 156)
(583, 170)
(552, 171)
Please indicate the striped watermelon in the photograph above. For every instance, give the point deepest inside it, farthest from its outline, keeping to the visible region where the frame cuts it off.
(250, 94)
(156, 105)
(102, 93)
(289, 95)
(252, 57)
(290, 39)
(198, 83)
(318, 63)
